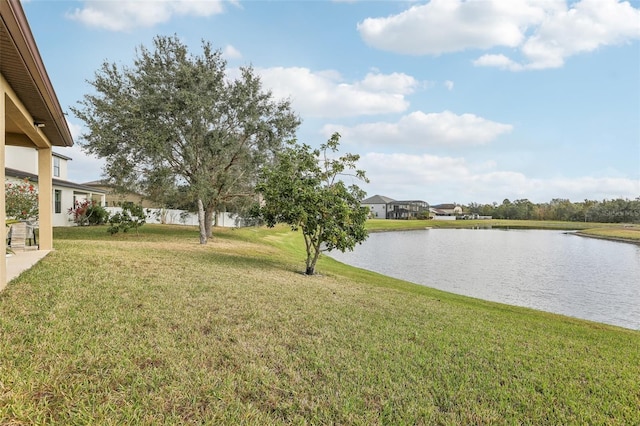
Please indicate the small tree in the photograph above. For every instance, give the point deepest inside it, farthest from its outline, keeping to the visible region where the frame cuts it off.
(304, 190)
(21, 200)
(131, 217)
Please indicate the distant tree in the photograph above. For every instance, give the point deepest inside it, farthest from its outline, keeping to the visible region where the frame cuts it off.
(177, 119)
(304, 190)
(523, 209)
(504, 210)
(613, 211)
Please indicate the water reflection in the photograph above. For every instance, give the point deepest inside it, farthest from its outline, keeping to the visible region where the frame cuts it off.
(547, 270)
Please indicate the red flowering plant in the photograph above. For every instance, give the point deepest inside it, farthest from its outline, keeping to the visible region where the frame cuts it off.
(88, 212)
(79, 211)
(21, 200)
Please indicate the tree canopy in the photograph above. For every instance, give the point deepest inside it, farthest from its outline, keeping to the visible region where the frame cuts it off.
(614, 211)
(304, 189)
(174, 119)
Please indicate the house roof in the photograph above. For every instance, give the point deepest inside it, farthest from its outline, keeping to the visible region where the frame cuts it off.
(64, 157)
(409, 202)
(56, 182)
(377, 199)
(97, 183)
(438, 211)
(23, 68)
(445, 206)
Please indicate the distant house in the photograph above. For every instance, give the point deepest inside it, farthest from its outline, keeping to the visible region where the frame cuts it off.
(407, 209)
(387, 208)
(445, 211)
(115, 198)
(22, 163)
(377, 206)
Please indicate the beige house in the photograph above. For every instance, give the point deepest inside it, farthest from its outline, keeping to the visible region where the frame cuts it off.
(30, 114)
(115, 198)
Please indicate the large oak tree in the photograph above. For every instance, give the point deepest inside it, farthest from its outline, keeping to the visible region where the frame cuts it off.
(175, 119)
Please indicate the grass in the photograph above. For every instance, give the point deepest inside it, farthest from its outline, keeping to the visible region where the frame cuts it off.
(156, 329)
(630, 233)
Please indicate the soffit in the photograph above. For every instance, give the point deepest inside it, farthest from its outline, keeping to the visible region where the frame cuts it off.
(22, 67)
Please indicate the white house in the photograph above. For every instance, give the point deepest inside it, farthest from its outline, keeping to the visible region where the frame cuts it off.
(382, 207)
(377, 205)
(22, 162)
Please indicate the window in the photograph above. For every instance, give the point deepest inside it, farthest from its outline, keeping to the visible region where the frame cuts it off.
(56, 168)
(57, 201)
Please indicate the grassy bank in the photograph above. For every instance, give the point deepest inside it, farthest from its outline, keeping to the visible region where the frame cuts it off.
(156, 329)
(614, 231)
(628, 233)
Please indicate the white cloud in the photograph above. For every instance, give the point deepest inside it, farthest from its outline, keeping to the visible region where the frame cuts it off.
(447, 179)
(231, 52)
(392, 83)
(116, 15)
(327, 94)
(448, 84)
(442, 26)
(543, 32)
(75, 129)
(586, 26)
(499, 61)
(418, 129)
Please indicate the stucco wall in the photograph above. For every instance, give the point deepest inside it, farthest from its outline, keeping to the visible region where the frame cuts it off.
(26, 160)
(21, 158)
(378, 211)
(63, 218)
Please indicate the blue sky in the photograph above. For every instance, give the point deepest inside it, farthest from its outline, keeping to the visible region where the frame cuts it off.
(444, 100)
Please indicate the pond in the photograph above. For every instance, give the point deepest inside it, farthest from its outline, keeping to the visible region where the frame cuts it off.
(553, 271)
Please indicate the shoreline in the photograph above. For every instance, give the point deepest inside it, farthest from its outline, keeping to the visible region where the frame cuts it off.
(608, 238)
(593, 230)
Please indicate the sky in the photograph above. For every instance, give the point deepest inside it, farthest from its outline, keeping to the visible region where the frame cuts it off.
(445, 101)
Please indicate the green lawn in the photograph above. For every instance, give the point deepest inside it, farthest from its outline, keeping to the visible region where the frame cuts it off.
(156, 329)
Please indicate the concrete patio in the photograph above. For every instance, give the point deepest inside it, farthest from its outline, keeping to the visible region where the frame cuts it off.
(22, 260)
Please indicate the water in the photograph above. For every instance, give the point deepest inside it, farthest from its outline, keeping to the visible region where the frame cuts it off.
(552, 271)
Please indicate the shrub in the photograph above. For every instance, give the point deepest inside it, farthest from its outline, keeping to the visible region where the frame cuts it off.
(88, 212)
(97, 214)
(21, 200)
(131, 217)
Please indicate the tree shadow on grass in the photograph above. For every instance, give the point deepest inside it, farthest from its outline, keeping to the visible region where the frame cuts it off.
(245, 261)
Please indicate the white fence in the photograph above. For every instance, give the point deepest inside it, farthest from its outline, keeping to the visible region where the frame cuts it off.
(182, 217)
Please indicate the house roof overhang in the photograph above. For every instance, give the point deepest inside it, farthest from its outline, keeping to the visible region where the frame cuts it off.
(19, 174)
(22, 67)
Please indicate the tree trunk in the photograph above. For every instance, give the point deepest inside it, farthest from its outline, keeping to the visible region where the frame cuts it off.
(208, 220)
(202, 222)
(313, 253)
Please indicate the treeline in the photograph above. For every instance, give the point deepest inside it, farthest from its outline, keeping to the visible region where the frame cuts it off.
(611, 211)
